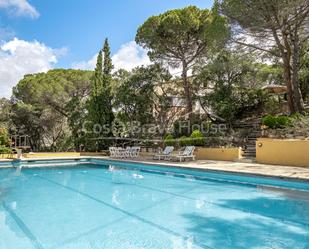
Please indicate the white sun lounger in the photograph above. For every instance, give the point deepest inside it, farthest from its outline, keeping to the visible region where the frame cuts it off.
(166, 153)
(118, 152)
(187, 153)
(127, 151)
(134, 152)
(112, 151)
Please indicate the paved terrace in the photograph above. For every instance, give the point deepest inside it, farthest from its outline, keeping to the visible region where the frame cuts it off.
(300, 173)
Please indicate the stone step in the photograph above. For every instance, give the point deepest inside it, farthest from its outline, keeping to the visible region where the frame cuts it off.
(246, 160)
(254, 135)
(249, 156)
(249, 147)
(257, 125)
(251, 152)
(251, 141)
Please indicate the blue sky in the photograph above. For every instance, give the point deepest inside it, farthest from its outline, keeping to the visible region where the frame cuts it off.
(68, 33)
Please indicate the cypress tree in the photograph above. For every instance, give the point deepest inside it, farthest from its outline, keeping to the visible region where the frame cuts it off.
(107, 82)
(98, 76)
(100, 103)
(108, 66)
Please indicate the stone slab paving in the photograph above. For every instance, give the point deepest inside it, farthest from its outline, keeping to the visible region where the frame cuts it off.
(291, 172)
(300, 173)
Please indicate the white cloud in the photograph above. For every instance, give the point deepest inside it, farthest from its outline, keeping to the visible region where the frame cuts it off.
(129, 56)
(19, 57)
(86, 65)
(19, 8)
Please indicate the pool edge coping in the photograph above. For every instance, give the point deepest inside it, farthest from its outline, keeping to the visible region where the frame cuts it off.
(179, 166)
(187, 167)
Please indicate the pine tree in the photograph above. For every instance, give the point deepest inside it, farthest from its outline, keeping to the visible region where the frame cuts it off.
(100, 102)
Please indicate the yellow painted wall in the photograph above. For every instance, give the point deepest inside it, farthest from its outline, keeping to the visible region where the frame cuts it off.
(220, 154)
(146, 154)
(52, 154)
(93, 154)
(283, 152)
(7, 156)
(56, 154)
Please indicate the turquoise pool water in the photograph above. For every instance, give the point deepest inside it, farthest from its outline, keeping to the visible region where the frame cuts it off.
(105, 205)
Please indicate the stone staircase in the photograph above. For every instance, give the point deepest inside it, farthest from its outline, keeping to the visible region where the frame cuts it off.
(249, 149)
(254, 131)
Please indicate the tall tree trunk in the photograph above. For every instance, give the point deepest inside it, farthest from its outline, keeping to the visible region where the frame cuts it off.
(288, 83)
(288, 75)
(187, 87)
(298, 99)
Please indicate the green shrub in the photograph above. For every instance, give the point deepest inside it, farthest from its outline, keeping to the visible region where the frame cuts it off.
(169, 140)
(274, 122)
(5, 150)
(296, 115)
(283, 121)
(269, 121)
(4, 137)
(185, 141)
(197, 138)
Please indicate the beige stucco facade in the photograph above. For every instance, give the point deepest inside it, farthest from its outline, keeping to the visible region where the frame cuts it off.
(283, 152)
(220, 154)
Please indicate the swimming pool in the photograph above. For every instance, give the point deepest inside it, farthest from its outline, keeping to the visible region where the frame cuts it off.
(92, 204)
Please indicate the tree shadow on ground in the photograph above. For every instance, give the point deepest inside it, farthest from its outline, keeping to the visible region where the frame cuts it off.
(287, 210)
(255, 228)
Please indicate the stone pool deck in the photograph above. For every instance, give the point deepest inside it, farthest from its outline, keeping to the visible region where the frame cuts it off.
(290, 172)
